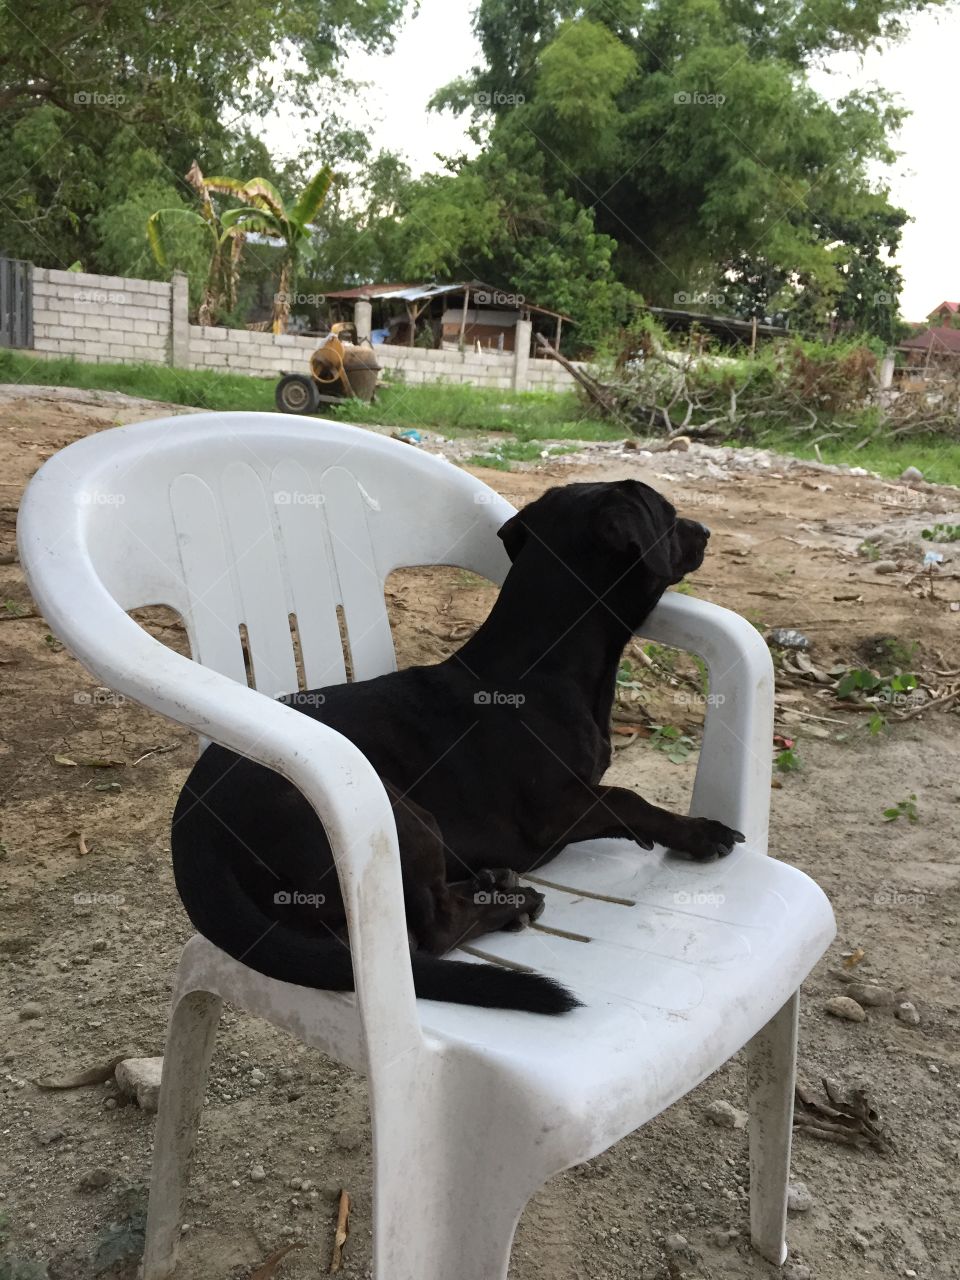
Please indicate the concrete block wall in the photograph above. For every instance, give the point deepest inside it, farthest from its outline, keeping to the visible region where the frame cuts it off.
(108, 319)
(115, 319)
(263, 355)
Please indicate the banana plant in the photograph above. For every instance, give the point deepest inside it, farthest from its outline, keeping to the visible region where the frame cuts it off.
(264, 211)
(220, 288)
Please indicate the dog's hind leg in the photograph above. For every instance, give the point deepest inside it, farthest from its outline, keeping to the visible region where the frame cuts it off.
(598, 811)
(441, 916)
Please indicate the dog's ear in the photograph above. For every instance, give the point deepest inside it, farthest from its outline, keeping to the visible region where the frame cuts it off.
(638, 524)
(513, 535)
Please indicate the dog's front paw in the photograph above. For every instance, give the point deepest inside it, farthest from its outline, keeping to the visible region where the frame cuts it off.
(703, 839)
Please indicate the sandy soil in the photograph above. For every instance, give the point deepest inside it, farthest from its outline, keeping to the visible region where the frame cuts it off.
(86, 976)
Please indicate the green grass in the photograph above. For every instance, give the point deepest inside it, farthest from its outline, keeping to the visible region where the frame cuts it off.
(453, 410)
(937, 456)
(531, 417)
(199, 388)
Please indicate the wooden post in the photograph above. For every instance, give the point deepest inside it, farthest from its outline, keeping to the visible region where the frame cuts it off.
(753, 337)
(412, 317)
(463, 317)
(556, 338)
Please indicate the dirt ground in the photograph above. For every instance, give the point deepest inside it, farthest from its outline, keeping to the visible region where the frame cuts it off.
(91, 925)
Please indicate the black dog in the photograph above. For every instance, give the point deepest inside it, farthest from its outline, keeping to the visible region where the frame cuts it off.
(492, 760)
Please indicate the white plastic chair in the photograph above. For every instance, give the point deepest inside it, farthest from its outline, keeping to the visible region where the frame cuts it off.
(248, 519)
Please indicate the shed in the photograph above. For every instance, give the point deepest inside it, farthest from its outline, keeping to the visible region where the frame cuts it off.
(467, 313)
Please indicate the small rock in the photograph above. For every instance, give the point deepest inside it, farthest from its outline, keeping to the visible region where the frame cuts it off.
(726, 1115)
(109, 1104)
(676, 1243)
(788, 638)
(139, 1078)
(32, 1009)
(885, 566)
(906, 1012)
(257, 1077)
(48, 1136)
(95, 1180)
(796, 1271)
(799, 1198)
(870, 995)
(286, 1074)
(257, 1173)
(348, 1139)
(911, 475)
(679, 444)
(844, 1007)
(723, 1238)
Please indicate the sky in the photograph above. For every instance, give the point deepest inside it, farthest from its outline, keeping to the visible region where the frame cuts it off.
(437, 44)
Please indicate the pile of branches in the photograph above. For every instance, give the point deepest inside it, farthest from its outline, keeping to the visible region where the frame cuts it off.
(821, 392)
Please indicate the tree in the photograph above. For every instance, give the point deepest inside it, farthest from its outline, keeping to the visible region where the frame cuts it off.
(225, 245)
(266, 213)
(689, 130)
(171, 80)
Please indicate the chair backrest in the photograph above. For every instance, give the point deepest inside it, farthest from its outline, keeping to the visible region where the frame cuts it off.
(270, 535)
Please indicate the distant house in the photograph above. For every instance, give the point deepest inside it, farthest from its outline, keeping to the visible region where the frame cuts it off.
(944, 314)
(928, 357)
(467, 314)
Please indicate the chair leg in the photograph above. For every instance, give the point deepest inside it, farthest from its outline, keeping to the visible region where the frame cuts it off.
(458, 1215)
(190, 1040)
(771, 1075)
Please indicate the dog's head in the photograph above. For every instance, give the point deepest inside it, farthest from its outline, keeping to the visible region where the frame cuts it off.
(619, 528)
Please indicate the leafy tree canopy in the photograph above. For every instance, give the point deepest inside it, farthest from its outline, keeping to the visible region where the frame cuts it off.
(689, 132)
(171, 82)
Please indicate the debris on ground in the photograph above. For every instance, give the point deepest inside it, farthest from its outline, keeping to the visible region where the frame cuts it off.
(139, 1079)
(787, 638)
(848, 1116)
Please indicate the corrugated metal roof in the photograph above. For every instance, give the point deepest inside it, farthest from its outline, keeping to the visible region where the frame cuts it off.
(939, 340)
(417, 292)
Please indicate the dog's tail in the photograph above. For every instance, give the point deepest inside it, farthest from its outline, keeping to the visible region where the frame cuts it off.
(233, 921)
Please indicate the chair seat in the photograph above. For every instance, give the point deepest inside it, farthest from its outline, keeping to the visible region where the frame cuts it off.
(678, 965)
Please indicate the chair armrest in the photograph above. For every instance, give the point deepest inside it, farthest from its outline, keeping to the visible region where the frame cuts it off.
(331, 773)
(733, 774)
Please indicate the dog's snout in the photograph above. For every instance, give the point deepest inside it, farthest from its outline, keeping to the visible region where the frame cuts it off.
(703, 529)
